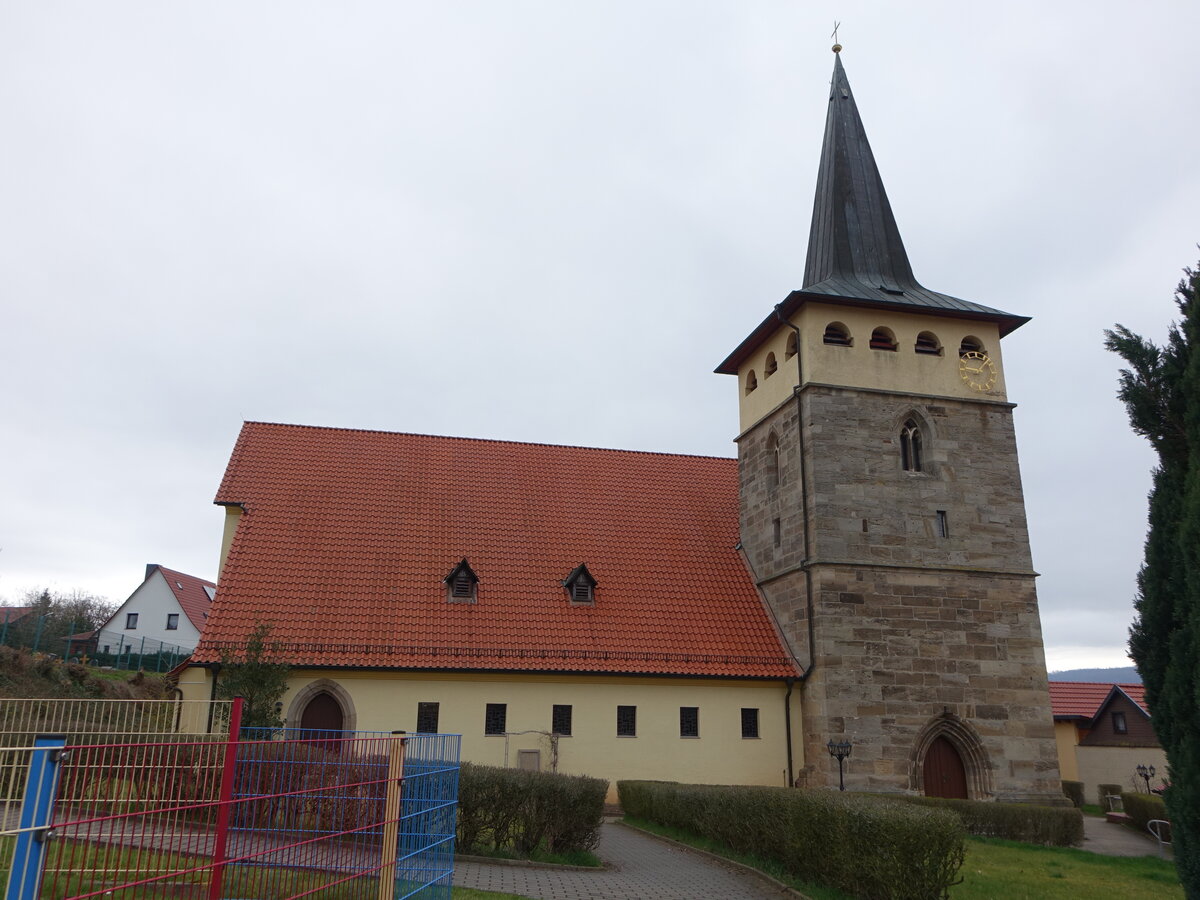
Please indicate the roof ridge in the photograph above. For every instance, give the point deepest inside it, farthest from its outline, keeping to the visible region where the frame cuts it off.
(452, 437)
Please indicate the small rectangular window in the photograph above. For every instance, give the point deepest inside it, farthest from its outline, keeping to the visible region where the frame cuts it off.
(560, 719)
(689, 721)
(495, 718)
(777, 530)
(427, 718)
(172, 621)
(1118, 723)
(749, 723)
(131, 620)
(626, 721)
(943, 524)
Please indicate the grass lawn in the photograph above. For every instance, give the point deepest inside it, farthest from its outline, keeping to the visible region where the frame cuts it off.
(1015, 871)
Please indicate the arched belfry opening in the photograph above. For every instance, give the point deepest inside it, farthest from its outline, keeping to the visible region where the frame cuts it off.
(949, 760)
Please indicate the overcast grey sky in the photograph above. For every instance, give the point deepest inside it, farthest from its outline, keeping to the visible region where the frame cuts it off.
(549, 221)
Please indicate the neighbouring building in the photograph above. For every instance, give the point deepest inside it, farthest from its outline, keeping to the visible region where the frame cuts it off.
(861, 571)
(1104, 733)
(164, 614)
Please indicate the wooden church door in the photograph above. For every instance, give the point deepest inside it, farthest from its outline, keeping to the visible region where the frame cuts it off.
(322, 714)
(945, 775)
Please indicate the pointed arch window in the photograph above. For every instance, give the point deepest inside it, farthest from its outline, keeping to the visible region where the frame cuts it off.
(462, 584)
(790, 350)
(580, 586)
(911, 457)
(751, 381)
(771, 366)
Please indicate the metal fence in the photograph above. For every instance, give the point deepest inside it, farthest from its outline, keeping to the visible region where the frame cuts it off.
(272, 815)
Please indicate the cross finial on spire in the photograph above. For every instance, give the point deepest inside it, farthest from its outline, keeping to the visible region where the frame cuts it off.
(837, 48)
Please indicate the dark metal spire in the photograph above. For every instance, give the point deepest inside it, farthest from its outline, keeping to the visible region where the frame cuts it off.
(854, 234)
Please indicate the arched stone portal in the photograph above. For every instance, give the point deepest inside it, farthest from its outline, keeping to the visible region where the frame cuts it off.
(949, 760)
(320, 704)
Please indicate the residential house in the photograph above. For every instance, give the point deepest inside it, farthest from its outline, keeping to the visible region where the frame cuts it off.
(166, 613)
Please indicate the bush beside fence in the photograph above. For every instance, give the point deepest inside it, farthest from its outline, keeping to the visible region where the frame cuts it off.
(1141, 808)
(867, 846)
(1055, 826)
(511, 809)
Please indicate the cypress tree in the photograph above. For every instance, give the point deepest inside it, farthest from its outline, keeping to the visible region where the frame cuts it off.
(1161, 391)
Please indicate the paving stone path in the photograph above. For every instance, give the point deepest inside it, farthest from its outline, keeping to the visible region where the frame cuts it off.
(1108, 839)
(639, 868)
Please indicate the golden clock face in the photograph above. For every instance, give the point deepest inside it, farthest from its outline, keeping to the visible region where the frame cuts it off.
(977, 371)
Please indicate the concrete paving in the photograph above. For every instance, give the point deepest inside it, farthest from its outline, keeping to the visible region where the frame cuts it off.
(639, 867)
(1111, 839)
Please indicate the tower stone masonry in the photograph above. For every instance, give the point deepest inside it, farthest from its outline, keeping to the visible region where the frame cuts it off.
(882, 515)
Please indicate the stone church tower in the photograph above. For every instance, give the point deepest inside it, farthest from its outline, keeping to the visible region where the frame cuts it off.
(881, 508)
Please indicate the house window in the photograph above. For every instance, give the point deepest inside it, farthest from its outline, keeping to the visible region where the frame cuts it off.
(751, 381)
(927, 343)
(1118, 723)
(560, 719)
(172, 621)
(837, 334)
(689, 721)
(910, 447)
(943, 524)
(883, 339)
(749, 723)
(462, 584)
(495, 718)
(771, 366)
(427, 718)
(790, 351)
(626, 721)
(131, 621)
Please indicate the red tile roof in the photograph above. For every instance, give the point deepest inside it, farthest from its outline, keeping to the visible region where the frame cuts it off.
(191, 594)
(347, 535)
(1082, 699)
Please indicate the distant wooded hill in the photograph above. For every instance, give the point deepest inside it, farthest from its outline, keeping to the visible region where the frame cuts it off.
(1122, 675)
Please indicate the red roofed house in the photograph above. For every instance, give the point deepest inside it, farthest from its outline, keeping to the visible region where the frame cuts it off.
(861, 572)
(1104, 733)
(167, 610)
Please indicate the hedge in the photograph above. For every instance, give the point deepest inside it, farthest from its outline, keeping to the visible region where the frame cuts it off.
(1055, 826)
(866, 846)
(520, 811)
(1074, 792)
(1141, 808)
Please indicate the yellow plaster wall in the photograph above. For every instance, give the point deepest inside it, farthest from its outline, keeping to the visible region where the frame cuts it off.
(860, 366)
(1067, 737)
(233, 515)
(1117, 765)
(387, 701)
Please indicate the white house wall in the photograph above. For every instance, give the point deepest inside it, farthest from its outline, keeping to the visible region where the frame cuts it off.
(153, 601)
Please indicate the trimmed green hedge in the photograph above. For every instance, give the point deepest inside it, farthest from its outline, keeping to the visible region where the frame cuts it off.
(1074, 792)
(511, 809)
(869, 847)
(1056, 826)
(1141, 808)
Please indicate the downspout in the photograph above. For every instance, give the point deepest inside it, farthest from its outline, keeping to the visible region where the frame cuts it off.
(212, 694)
(787, 726)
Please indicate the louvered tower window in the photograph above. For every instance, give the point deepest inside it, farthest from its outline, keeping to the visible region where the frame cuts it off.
(927, 343)
(837, 334)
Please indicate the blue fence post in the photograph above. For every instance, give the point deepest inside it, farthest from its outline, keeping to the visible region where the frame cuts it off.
(37, 812)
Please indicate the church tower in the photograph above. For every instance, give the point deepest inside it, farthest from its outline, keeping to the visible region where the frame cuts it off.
(881, 508)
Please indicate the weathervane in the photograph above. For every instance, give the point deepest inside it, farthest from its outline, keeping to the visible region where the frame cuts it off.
(837, 48)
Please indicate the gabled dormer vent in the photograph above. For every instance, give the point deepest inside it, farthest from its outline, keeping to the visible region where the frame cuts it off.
(462, 584)
(581, 586)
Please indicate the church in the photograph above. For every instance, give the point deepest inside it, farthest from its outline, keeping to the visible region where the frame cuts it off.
(860, 573)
